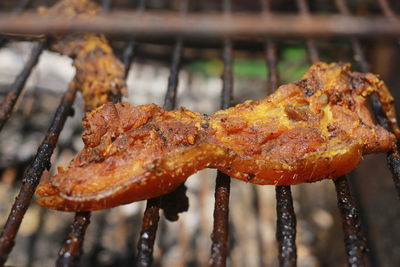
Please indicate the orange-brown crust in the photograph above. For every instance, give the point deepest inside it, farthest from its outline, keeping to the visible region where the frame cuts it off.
(99, 74)
(318, 127)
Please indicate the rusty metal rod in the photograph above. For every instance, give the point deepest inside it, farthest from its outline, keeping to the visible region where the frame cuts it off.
(359, 55)
(355, 242)
(286, 218)
(272, 62)
(219, 236)
(21, 5)
(130, 49)
(286, 227)
(360, 58)
(128, 55)
(72, 249)
(176, 201)
(106, 6)
(7, 106)
(151, 215)
(33, 174)
(387, 10)
(393, 157)
(172, 24)
(173, 79)
(312, 49)
(147, 235)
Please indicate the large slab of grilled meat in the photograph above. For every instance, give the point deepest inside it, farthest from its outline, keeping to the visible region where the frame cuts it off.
(315, 128)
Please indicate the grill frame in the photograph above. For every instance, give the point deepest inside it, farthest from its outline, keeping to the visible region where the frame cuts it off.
(355, 241)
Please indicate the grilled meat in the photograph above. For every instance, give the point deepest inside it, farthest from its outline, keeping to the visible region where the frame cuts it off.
(315, 128)
(99, 74)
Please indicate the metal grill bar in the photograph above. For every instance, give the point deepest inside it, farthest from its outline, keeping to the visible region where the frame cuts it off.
(130, 49)
(311, 47)
(393, 156)
(286, 226)
(128, 55)
(148, 232)
(71, 251)
(387, 10)
(33, 174)
(286, 218)
(106, 5)
(22, 4)
(219, 236)
(151, 215)
(361, 60)
(173, 79)
(17, 86)
(355, 43)
(242, 26)
(286, 223)
(272, 61)
(355, 241)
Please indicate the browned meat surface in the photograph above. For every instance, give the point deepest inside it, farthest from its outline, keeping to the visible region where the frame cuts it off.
(315, 128)
(99, 74)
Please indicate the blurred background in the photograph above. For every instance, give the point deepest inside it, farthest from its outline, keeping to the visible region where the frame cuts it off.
(112, 235)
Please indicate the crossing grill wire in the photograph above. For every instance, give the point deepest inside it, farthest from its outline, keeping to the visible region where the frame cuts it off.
(316, 25)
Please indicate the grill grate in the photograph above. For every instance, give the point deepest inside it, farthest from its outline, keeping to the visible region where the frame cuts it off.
(18, 84)
(355, 241)
(34, 173)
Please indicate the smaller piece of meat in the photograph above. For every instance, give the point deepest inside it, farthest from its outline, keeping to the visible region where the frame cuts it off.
(99, 74)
